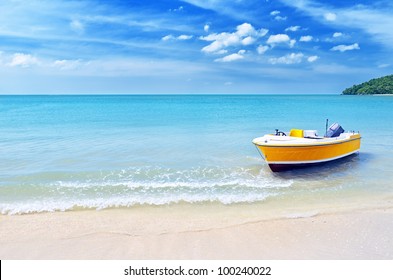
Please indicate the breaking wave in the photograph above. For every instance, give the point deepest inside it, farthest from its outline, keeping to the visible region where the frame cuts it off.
(47, 192)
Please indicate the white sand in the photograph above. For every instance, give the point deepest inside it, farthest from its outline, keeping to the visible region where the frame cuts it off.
(196, 232)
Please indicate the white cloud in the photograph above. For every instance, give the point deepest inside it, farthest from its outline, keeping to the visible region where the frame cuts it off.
(292, 43)
(248, 41)
(206, 28)
(222, 52)
(181, 8)
(77, 26)
(245, 35)
(232, 57)
(180, 37)
(277, 39)
(276, 16)
(279, 18)
(312, 58)
(184, 37)
(337, 36)
(343, 48)
(262, 32)
(67, 64)
(23, 60)
(375, 21)
(262, 49)
(330, 16)
(287, 59)
(220, 41)
(384, 65)
(307, 38)
(245, 29)
(168, 37)
(292, 28)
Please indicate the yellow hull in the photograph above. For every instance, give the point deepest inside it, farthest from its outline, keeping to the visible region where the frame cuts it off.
(281, 154)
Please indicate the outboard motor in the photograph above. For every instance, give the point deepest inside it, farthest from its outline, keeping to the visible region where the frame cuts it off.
(334, 130)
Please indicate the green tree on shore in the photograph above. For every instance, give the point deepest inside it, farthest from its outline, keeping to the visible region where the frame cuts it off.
(383, 85)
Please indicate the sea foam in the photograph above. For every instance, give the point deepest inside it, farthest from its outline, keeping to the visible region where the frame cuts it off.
(145, 186)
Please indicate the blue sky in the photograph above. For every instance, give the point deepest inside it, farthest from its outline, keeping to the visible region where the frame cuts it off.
(193, 46)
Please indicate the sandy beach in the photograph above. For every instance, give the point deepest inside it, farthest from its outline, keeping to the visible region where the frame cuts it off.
(196, 232)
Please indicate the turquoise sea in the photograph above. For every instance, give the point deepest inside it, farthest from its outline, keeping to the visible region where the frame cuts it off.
(62, 153)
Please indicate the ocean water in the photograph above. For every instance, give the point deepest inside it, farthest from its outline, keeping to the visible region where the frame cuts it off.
(62, 153)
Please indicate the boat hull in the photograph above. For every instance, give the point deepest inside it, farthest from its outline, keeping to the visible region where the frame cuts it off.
(281, 157)
(286, 167)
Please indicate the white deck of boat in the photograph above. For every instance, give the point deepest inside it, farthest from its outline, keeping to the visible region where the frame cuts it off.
(271, 139)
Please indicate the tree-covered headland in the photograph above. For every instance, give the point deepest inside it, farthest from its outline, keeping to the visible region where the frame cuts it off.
(383, 85)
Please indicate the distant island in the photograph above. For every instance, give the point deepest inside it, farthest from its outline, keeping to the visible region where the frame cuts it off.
(383, 85)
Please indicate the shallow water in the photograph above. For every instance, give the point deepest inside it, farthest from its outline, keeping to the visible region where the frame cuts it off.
(74, 152)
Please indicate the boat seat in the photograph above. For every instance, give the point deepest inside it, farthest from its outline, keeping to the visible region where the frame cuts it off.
(296, 132)
(311, 134)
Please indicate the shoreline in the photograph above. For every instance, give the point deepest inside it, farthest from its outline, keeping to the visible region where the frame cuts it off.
(192, 232)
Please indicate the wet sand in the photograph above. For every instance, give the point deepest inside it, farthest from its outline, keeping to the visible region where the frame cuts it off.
(196, 232)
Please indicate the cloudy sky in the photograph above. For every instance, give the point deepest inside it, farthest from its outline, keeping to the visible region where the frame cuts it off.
(193, 46)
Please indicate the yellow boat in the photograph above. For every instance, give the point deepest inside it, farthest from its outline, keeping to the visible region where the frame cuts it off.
(298, 148)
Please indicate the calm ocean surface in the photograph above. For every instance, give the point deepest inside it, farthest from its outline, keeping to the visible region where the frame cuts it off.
(75, 152)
